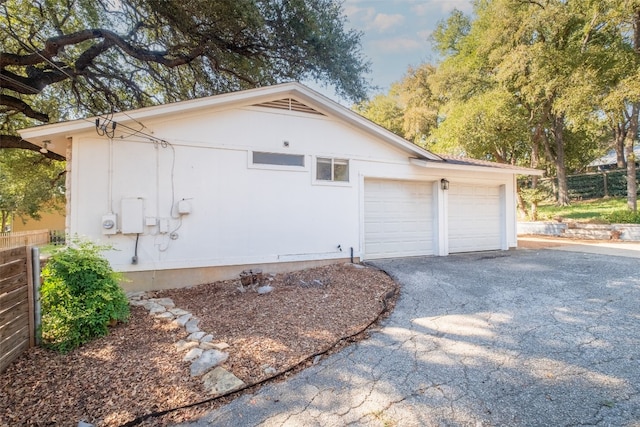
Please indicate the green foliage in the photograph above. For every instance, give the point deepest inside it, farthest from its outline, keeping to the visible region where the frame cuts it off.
(29, 184)
(623, 217)
(80, 296)
(75, 58)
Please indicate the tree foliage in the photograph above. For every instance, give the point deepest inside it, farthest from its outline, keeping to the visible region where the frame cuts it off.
(545, 83)
(29, 182)
(64, 58)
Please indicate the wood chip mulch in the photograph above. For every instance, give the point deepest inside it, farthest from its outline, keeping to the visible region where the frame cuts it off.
(136, 370)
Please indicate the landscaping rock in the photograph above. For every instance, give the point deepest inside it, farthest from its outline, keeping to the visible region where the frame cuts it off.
(165, 316)
(207, 338)
(178, 312)
(157, 308)
(192, 354)
(182, 320)
(269, 370)
(221, 381)
(196, 336)
(209, 359)
(137, 303)
(264, 289)
(192, 326)
(165, 302)
(183, 345)
(135, 295)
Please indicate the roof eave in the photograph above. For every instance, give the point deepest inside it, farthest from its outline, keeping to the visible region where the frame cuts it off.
(476, 168)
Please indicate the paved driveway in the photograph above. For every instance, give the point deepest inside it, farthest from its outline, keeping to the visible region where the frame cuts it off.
(520, 338)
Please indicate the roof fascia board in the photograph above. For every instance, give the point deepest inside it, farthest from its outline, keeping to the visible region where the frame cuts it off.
(475, 168)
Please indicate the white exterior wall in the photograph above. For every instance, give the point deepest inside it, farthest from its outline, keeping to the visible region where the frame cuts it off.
(242, 214)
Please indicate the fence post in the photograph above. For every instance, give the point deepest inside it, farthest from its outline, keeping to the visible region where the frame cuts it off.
(606, 184)
(35, 259)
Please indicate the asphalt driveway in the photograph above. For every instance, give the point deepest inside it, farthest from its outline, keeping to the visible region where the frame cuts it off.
(520, 338)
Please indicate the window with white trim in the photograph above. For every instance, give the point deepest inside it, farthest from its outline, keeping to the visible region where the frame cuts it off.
(330, 169)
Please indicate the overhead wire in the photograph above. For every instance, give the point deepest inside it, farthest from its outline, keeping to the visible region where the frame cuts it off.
(102, 130)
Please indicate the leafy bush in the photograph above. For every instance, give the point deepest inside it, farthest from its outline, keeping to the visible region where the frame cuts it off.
(623, 217)
(80, 297)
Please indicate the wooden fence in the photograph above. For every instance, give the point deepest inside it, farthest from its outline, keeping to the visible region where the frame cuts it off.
(24, 238)
(17, 332)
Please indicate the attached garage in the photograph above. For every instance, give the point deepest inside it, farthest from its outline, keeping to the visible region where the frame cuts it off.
(398, 218)
(475, 218)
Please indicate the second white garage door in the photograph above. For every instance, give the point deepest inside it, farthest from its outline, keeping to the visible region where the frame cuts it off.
(398, 218)
(474, 218)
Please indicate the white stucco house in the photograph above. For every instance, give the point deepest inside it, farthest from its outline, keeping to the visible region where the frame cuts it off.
(276, 178)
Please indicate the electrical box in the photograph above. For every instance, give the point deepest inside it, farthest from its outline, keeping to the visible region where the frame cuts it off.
(163, 225)
(109, 223)
(184, 207)
(132, 216)
(151, 221)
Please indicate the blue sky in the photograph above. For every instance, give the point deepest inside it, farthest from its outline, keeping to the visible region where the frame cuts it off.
(396, 33)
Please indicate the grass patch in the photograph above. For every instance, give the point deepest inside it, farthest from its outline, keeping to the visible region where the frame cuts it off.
(594, 211)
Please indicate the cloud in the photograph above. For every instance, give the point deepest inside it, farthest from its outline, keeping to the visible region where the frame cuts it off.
(397, 45)
(422, 8)
(383, 22)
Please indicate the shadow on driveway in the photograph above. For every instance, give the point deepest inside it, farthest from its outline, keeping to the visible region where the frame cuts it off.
(520, 338)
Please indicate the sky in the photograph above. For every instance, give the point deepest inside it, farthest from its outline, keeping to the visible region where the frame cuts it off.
(396, 33)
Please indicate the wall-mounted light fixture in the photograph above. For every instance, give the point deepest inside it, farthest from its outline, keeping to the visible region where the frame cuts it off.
(45, 144)
(444, 184)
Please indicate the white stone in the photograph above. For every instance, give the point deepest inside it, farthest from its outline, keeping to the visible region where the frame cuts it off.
(264, 289)
(207, 338)
(157, 308)
(192, 326)
(135, 295)
(183, 345)
(220, 381)
(270, 370)
(208, 360)
(165, 302)
(164, 316)
(220, 346)
(196, 336)
(192, 354)
(137, 303)
(182, 320)
(178, 311)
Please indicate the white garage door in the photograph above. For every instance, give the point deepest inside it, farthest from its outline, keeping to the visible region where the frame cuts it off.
(474, 218)
(398, 219)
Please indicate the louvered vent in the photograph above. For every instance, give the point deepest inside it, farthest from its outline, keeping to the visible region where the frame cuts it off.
(289, 104)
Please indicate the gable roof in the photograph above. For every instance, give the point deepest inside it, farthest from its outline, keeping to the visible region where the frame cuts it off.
(291, 96)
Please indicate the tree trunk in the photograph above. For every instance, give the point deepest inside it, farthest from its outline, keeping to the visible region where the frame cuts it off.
(632, 185)
(619, 140)
(561, 170)
(5, 218)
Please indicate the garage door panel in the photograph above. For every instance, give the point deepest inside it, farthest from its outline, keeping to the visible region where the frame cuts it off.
(474, 217)
(398, 218)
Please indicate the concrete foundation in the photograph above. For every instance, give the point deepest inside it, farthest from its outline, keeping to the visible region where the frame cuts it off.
(184, 277)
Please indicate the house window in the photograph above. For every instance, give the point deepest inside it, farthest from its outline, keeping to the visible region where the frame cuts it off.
(277, 159)
(329, 169)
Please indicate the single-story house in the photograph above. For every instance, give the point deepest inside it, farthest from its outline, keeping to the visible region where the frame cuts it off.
(277, 178)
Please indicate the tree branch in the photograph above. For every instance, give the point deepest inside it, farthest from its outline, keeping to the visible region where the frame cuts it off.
(24, 108)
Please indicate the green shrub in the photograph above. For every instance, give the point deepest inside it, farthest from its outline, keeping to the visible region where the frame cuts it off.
(623, 217)
(80, 297)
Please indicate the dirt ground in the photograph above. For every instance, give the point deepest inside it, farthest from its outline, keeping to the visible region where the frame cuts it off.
(136, 369)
